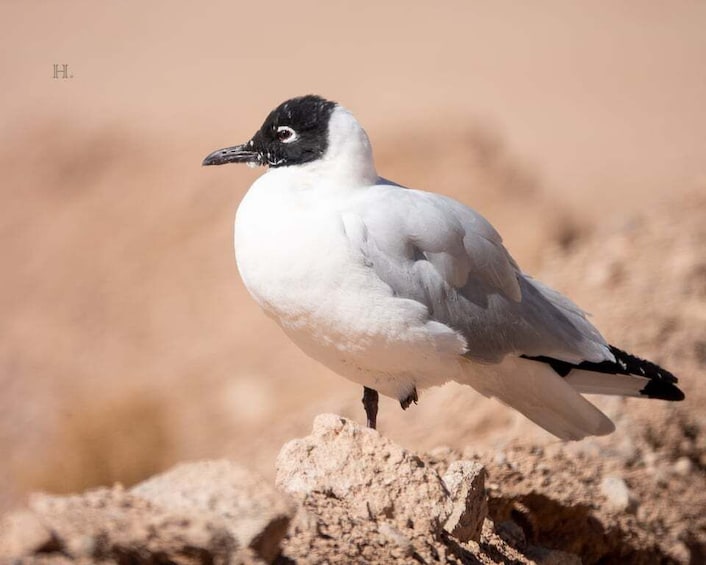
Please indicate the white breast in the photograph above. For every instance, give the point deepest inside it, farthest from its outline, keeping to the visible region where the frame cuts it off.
(280, 238)
(296, 260)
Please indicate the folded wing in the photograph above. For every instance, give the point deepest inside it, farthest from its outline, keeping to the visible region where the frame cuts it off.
(436, 251)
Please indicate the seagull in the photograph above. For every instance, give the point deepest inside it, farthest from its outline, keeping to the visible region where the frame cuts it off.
(399, 289)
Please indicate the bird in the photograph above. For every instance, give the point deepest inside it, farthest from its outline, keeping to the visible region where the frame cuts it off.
(399, 289)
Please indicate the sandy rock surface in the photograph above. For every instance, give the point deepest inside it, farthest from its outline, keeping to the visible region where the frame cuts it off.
(370, 488)
(376, 478)
(205, 512)
(359, 498)
(256, 515)
(347, 494)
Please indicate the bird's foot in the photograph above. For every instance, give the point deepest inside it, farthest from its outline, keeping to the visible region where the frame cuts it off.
(407, 400)
(370, 403)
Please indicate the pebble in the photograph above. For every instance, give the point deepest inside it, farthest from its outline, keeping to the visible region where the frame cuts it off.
(617, 493)
(683, 466)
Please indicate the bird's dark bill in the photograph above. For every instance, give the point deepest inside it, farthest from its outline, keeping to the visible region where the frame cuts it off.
(237, 154)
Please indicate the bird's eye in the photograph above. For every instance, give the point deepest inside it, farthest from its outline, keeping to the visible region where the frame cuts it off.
(285, 134)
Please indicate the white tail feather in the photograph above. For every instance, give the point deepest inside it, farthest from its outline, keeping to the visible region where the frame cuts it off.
(535, 390)
(587, 382)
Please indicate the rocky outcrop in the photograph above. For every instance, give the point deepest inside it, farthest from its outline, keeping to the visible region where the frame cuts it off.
(378, 480)
(206, 512)
(346, 494)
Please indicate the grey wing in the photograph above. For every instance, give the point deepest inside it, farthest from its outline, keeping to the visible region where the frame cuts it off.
(436, 251)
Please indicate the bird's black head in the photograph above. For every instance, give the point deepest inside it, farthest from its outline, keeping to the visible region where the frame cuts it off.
(296, 132)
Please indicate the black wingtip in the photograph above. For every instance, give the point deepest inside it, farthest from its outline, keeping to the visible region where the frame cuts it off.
(662, 390)
(660, 383)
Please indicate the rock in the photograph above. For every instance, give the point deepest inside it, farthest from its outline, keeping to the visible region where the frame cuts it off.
(377, 479)
(683, 466)
(617, 494)
(22, 534)
(212, 511)
(465, 481)
(368, 500)
(248, 507)
(112, 524)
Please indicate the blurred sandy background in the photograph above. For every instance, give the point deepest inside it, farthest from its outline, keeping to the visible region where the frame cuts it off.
(127, 341)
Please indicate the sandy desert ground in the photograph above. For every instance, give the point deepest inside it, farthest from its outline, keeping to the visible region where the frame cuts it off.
(128, 342)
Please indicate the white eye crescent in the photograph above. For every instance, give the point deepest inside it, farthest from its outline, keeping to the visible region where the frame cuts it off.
(285, 134)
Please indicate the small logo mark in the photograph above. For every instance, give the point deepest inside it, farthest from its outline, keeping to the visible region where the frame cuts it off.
(62, 71)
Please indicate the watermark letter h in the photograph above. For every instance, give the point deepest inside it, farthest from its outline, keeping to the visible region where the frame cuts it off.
(61, 71)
